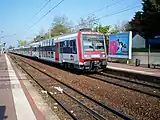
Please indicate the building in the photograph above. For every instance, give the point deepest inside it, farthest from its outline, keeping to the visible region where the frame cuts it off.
(138, 41)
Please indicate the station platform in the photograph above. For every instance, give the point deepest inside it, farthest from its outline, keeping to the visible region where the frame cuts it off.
(19, 100)
(131, 68)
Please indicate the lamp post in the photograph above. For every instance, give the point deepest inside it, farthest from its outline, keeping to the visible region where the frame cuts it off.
(2, 46)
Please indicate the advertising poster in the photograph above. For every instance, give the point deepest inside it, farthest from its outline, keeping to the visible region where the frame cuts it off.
(120, 45)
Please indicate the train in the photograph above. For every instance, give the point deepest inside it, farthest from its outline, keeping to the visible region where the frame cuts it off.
(83, 50)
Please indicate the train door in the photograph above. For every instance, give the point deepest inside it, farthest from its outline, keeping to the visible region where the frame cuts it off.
(31, 51)
(39, 50)
(57, 52)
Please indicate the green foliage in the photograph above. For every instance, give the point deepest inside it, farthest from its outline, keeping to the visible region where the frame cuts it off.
(22, 42)
(122, 27)
(115, 29)
(38, 38)
(60, 25)
(59, 29)
(102, 29)
(146, 22)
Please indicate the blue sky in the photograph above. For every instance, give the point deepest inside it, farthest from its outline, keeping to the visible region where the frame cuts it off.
(18, 15)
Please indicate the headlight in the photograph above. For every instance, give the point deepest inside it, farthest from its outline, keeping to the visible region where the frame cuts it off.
(103, 55)
(87, 56)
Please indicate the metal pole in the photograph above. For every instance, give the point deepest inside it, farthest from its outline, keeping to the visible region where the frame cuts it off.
(149, 56)
(49, 33)
(98, 27)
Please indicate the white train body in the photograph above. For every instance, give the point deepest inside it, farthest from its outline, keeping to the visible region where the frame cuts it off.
(81, 50)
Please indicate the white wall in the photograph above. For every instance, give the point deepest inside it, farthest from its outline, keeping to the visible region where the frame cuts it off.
(138, 42)
(143, 56)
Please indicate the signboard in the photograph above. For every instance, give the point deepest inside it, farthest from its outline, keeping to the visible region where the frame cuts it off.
(93, 37)
(120, 45)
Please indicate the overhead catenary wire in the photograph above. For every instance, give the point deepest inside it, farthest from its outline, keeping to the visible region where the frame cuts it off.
(104, 7)
(7, 36)
(127, 9)
(48, 1)
(45, 14)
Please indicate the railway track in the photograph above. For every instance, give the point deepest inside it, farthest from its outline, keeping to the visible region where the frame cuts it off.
(77, 104)
(131, 84)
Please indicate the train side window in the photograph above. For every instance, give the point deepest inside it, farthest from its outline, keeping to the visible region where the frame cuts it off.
(44, 53)
(52, 42)
(62, 46)
(74, 49)
(68, 43)
(51, 54)
(48, 42)
(64, 43)
(71, 43)
(53, 48)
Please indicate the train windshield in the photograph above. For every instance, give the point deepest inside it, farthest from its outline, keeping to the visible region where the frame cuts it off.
(93, 42)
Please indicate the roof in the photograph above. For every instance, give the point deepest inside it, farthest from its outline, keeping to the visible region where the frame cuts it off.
(154, 41)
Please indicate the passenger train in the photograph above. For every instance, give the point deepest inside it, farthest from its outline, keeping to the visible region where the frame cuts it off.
(83, 50)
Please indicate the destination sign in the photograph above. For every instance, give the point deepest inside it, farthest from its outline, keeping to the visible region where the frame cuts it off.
(93, 37)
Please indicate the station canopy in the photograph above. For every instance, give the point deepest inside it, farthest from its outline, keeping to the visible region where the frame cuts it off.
(155, 40)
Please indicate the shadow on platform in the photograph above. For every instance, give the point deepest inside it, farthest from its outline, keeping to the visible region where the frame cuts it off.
(2, 113)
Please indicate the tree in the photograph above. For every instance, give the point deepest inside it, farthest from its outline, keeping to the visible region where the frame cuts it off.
(60, 25)
(102, 29)
(22, 42)
(146, 22)
(59, 29)
(125, 26)
(38, 38)
(41, 36)
(88, 22)
(115, 29)
(11, 47)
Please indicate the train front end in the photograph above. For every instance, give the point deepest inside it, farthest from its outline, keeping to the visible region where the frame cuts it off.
(93, 51)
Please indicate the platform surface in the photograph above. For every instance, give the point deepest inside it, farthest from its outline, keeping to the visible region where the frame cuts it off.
(16, 103)
(131, 68)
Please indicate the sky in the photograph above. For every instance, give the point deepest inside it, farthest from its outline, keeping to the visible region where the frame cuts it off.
(16, 16)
